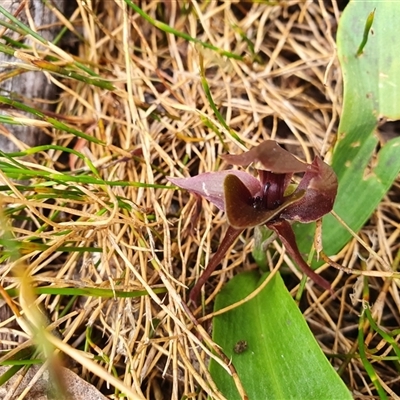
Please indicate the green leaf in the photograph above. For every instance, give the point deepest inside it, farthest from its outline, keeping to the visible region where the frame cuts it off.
(371, 92)
(270, 345)
(168, 29)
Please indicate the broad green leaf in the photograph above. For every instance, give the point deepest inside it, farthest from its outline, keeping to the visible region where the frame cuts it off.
(371, 92)
(270, 345)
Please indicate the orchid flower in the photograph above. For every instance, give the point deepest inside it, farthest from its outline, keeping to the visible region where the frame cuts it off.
(268, 200)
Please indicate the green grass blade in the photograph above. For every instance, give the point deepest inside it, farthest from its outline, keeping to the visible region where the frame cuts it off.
(70, 74)
(6, 49)
(89, 291)
(364, 359)
(67, 178)
(21, 25)
(22, 29)
(37, 149)
(168, 29)
(7, 375)
(56, 124)
(213, 106)
(386, 336)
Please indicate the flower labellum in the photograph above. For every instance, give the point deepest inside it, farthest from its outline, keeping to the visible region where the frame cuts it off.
(249, 202)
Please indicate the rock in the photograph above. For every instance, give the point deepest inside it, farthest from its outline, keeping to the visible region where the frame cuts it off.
(74, 387)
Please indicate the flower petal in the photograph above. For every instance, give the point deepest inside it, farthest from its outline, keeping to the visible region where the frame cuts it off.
(240, 207)
(285, 232)
(210, 185)
(230, 236)
(270, 156)
(320, 184)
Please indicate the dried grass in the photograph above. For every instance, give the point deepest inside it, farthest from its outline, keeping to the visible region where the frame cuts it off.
(294, 96)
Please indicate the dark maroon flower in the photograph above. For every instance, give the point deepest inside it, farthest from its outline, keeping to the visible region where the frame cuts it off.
(249, 202)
